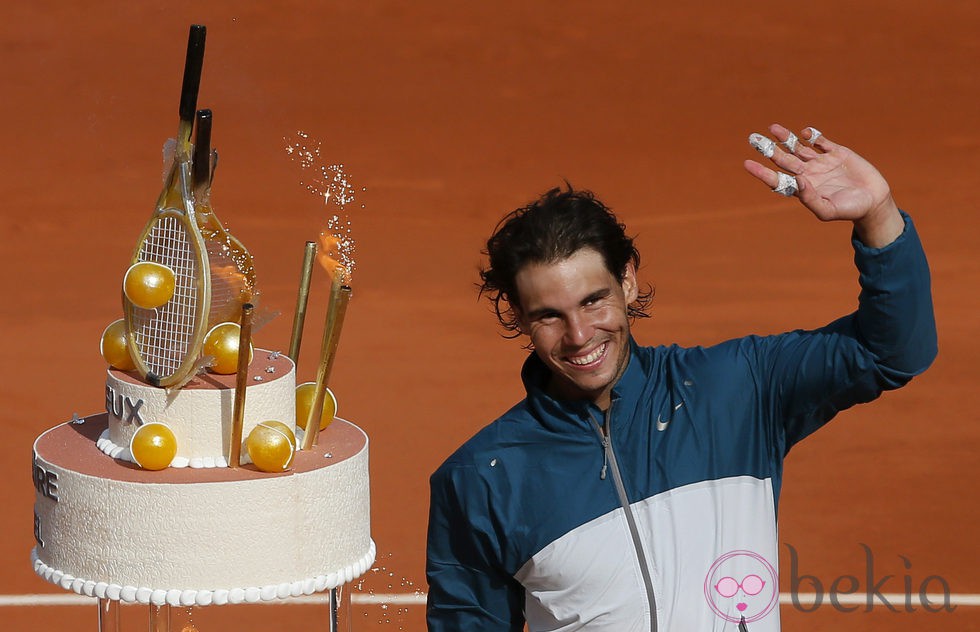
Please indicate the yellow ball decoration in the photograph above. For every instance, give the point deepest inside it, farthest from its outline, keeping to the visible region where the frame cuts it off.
(270, 447)
(149, 285)
(305, 394)
(153, 446)
(113, 346)
(278, 425)
(222, 344)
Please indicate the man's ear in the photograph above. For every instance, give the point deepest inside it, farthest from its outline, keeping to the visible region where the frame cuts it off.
(519, 317)
(630, 287)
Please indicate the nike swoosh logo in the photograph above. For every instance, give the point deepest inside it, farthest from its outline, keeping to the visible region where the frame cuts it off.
(663, 423)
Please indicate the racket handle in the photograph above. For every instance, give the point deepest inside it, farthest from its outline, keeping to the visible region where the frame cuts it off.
(202, 149)
(193, 65)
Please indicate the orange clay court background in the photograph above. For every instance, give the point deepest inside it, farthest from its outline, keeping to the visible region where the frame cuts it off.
(445, 115)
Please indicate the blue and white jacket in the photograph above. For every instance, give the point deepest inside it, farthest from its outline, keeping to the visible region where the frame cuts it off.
(660, 513)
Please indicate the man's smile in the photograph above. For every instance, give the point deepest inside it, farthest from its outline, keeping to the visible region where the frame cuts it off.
(590, 358)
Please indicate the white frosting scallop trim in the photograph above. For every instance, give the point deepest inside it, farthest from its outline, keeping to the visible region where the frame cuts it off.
(123, 453)
(218, 597)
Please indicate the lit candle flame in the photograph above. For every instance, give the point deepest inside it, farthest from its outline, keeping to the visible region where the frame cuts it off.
(329, 255)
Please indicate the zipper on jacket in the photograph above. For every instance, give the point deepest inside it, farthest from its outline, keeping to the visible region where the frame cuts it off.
(609, 458)
(605, 456)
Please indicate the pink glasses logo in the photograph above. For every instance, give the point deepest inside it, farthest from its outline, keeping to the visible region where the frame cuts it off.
(750, 585)
(741, 584)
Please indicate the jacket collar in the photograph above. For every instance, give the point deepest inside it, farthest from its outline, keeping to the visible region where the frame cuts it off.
(557, 414)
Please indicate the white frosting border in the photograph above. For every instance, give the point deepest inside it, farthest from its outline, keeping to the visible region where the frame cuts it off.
(190, 597)
(123, 453)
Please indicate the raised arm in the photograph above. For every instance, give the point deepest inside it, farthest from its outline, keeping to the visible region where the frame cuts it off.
(830, 180)
(892, 335)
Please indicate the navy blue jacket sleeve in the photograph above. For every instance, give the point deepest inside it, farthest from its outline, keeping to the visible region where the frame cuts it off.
(811, 375)
(895, 317)
(468, 590)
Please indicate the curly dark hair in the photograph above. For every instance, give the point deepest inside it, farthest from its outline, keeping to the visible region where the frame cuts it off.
(552, 228)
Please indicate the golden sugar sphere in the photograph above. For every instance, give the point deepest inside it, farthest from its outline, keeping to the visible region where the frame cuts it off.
(282, 427)
(222, 343)
(304, 402)
(113, 346)
(149, 285)
(153, 446)
(270, 447)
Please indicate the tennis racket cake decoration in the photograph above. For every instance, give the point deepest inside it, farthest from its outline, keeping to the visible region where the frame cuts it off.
(187, 272)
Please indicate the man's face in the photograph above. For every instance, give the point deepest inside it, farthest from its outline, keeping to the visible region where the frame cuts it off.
(574, 310)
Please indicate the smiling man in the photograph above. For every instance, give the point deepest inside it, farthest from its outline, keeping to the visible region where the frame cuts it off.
(635, 488)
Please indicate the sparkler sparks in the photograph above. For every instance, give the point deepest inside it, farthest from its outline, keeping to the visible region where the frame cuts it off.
(332, 184)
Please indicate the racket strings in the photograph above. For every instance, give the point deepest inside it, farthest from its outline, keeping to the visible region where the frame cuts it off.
(164, 335)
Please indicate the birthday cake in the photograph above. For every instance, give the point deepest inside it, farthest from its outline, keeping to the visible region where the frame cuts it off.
(191, 489)
(198, 533)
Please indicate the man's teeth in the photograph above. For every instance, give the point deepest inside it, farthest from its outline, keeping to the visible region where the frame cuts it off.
(592, 357)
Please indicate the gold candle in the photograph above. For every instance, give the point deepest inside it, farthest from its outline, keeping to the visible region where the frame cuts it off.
(299, 317)
(336, 309)
(241, 382)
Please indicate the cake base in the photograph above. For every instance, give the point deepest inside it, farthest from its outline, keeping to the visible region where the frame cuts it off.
(108, 529)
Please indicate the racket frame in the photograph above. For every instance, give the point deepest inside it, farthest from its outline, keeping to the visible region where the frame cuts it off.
(200, 284)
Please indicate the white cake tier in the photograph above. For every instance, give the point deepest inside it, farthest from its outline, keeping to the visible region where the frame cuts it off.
(198, 537)
(200, 413)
